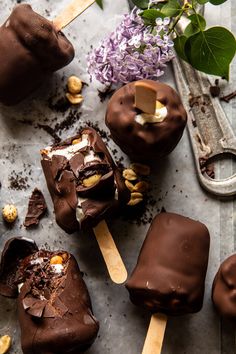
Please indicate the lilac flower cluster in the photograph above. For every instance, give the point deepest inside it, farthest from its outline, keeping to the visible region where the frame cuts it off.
(132, 52)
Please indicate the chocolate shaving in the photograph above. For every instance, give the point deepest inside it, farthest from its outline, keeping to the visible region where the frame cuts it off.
(228, 97)
(36, 208)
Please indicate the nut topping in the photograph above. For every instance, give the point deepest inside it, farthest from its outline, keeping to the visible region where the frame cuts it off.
(141, 187)
(92, 180)
(129, 185)
(5, 343)
(135, 199)
(74, 99)
(56, 260)
(130, 174)
(76, 141)
(9, 213)
(74, 85)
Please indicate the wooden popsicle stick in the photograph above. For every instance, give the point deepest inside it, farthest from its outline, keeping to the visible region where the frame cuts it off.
(155, 335)
(145, 97)
(73, 10)
(111, 255)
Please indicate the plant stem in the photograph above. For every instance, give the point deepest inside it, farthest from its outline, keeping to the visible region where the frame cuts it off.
(176, 21)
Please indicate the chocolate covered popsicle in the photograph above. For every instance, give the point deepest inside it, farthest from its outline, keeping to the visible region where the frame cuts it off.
(169, 277)
(224, 289)
(86, 187)
(31, 49)
(83, 180)
(54, 307)
(146, 119)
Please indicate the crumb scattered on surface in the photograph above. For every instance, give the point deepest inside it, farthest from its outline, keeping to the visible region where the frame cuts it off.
(17, 181)
(105, 94)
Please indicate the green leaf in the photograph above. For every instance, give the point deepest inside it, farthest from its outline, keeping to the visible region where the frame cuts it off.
(217, 2)
(197, 24)
(211, 51)
(141, 4)
(179, 45)
(171, 9)
(100, 3)
(150, 16)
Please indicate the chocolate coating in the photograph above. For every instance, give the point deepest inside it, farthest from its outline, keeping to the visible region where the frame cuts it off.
(14, 251)
(65, 176)
(150, 141)
(224, 288)
(170, 273)
(30, 50)
(54, 308)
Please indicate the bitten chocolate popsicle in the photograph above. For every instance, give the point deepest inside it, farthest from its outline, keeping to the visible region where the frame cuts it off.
(146, 119)
(54, 307)
(86, 187)
(32, 48)
(169, 277)
(224, 289)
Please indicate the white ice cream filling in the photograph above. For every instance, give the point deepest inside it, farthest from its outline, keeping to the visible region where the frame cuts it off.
(70, 150)
(57, 268)
(158, 117)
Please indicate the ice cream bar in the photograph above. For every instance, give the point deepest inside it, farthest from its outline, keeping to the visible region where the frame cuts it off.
(146, 119)
(170, 273)
(54, 306)
(84, 182)
(30, 50)
(224, 288)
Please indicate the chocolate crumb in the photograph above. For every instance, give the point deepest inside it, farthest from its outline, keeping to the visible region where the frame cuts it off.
(215, 91)
(61, 105)
(17, 181)
(107, 93)
(50, 131)
(66, 124)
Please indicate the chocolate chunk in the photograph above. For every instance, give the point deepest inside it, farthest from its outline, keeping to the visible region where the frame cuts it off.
(36, 208)
(215, 91)
(224, 289)
(31, 49)
(170, 273)
(149, 141)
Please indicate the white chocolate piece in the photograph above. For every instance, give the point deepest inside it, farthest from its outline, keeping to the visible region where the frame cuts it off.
(145, 97)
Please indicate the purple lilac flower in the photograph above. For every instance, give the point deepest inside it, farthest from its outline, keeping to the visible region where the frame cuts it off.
(132, 52)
